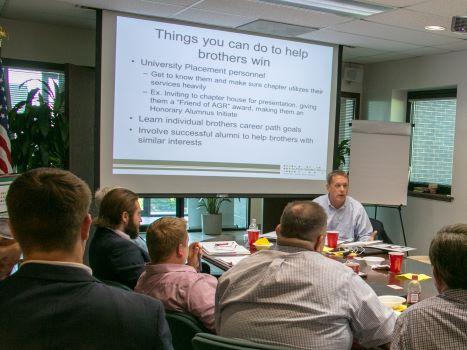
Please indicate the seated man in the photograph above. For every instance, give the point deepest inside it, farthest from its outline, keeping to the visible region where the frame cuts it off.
(440, 322)
(296, 297)
(53, 302)
(112, 254)
(345, 214)
(180, 287)
(99, 196)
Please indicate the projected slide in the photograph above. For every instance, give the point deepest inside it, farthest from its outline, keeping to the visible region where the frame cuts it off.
(196, 101)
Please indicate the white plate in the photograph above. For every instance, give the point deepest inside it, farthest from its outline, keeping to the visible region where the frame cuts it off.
(391, 300)
(373, 260)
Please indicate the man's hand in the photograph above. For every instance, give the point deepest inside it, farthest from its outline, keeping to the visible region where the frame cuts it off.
(373, 236)
(194, 255)
(10, 253)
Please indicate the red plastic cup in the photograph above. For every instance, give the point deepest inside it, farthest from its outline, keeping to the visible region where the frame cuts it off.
(355, 266)
(332, 237)
(395, 261)
(253, 236)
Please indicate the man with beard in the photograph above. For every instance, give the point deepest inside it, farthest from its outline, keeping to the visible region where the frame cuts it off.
(112, 254)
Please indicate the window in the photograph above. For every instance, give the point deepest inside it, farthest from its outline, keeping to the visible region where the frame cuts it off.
(433, 118)
(155, 208)
(234, 213)
(349, 110)
(21, 81)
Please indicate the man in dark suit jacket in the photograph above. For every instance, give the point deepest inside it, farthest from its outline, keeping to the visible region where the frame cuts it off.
(112, 253)
(53, 302)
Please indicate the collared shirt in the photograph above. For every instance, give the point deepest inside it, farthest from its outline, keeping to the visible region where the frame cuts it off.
(181, 288)
(435, 323)
(121, 234)
(297, 298)
(59, 263)
(138, 241)
(351, 220)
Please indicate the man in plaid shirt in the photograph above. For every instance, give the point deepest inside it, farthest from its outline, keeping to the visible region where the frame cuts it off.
(440, 322)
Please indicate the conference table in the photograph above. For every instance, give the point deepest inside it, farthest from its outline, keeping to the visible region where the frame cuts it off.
(378, 280)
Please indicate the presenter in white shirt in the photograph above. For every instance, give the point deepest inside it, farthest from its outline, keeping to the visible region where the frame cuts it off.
(345, 214)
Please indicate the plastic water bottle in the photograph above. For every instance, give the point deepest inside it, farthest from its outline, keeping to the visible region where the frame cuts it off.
(413, 291)
(253, 225)
(252, 232)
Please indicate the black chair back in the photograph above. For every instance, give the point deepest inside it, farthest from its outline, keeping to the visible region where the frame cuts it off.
(183, 327)
(203, 341)
(381, 233)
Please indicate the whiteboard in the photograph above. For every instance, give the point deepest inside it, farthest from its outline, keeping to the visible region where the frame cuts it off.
(379, 162)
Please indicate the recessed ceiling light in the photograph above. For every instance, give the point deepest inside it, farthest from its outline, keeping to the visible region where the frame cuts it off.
(351, 8)
(435, 28)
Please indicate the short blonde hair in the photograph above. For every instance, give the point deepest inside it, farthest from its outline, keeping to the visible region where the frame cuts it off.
(163, 237)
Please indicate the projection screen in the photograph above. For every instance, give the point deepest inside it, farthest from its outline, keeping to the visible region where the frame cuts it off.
(189, 109)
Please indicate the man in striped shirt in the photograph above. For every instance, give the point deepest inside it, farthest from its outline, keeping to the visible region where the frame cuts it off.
(296, 297)
(440, 322)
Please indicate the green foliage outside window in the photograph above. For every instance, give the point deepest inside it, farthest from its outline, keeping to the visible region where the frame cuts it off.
(39, 130)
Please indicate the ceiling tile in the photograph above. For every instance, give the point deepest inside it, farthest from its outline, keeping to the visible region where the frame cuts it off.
(352, 52)
(389, 32)
(426, 51)
(180, 3)
(384, 57)
(415, 20)
(446, 8)
(331, 36)
(141, 7)
(275, 28)
(212, 18)
(394, 3)
(273, 12)
(455, 46)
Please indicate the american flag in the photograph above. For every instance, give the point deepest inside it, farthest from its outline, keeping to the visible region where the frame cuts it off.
(5, 147)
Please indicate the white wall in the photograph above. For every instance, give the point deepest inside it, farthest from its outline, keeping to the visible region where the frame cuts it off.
(350, 86)
(382, 84)
(48, 43)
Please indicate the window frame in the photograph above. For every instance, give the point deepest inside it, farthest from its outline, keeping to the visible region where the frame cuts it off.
(13, 63)
(180, 210)
(444, 191)
(350, 95)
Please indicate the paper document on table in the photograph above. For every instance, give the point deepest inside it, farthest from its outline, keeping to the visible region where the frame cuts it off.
(358, 244)
(272, 236)
(392, 247)
(224, 248)
(231, 260)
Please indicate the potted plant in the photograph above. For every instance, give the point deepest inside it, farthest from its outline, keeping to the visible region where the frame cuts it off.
(211, 222)
(39, 130)
(343, 149)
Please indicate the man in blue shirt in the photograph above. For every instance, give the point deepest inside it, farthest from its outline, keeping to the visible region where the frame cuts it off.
(345, 214)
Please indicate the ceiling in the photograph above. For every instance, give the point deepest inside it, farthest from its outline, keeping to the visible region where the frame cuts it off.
(394, 34)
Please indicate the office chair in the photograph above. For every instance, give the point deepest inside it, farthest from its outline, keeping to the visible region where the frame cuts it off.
(381, 233)
(183, 327)
(204, 341)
